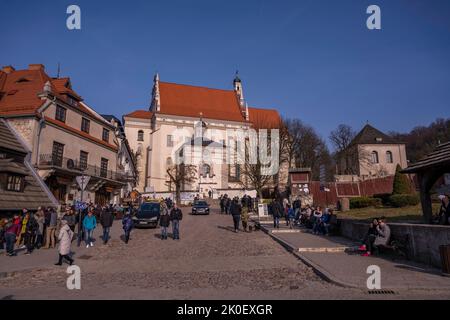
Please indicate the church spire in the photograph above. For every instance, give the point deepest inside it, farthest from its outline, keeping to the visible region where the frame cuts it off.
(156, 99)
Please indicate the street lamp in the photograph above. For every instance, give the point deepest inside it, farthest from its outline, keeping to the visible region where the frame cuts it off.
(82, 186)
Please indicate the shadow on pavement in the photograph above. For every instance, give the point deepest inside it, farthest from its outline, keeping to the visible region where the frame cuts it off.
(158, 235)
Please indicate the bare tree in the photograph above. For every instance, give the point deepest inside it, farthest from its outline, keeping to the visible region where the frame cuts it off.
(255, 173)
(180, 175)
(341, 138)
(305, 148)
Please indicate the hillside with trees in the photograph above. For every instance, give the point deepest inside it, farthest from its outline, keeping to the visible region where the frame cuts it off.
(422, 140)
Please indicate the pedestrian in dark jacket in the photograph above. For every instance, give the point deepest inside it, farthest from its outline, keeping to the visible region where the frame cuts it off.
(70, 218)
(222, 204)
(106, 220)
(127, 225)
(176, 216)
(227, 205)
(30, 232)
(236, 210)
(164, 222)
(276, 213)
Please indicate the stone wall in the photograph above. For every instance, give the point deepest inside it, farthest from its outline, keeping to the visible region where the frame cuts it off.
(25, 127)
(424, 240)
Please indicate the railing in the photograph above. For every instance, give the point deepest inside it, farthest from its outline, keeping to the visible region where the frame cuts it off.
(74, 165)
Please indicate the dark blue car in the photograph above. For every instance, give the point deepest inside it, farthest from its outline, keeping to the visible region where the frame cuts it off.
(147, 215)
(200, 207)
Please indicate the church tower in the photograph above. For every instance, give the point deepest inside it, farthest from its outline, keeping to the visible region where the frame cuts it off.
(237, 84)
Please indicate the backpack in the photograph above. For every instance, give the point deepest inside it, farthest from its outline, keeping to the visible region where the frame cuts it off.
(8, 225)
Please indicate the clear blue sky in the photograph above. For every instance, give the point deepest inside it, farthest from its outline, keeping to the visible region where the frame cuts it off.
(315, 60)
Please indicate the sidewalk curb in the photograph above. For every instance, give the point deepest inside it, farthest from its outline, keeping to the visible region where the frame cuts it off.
(325, 275)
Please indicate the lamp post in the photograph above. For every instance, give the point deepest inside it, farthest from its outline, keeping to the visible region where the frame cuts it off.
(82, 186)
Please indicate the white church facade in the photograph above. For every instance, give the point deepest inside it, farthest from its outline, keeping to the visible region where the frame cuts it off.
(199, 120)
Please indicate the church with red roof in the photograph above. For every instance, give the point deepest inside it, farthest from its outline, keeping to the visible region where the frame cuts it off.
(176, 116)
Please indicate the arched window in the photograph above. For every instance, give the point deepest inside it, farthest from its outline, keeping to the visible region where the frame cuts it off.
(206, 170)
(374, 157)
(140, 135)
(389, 157)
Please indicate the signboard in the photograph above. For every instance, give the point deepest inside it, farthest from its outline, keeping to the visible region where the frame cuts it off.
(263, 210)
(80, 205)
(83, 181)
(187, 196)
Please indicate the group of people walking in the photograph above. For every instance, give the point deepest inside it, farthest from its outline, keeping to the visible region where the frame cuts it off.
(280, 208)
(170, 215)
(45, 227)
(28, 231)
(226, 202)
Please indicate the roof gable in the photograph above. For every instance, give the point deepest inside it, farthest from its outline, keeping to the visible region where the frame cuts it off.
(371, 135)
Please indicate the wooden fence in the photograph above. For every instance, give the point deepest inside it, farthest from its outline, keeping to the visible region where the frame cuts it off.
(338, 190)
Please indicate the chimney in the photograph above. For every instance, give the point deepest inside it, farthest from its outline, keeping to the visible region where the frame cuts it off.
(36, 67)
(8, 69)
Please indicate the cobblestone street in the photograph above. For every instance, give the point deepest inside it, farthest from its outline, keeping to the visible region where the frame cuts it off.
(209, 262)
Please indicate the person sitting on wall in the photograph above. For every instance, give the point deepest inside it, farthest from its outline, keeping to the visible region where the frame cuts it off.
(306, 217)
(381, 238)
(317, 217)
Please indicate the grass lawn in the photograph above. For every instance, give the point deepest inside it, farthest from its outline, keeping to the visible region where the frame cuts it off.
(406, 214)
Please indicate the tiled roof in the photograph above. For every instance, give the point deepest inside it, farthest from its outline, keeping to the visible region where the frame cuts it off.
(264, 118)
(19, 90)
(370, 135)
(140, 114)
(191, 101)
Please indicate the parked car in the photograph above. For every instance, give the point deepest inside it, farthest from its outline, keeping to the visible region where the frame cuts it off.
(147, 215)
(200, 207)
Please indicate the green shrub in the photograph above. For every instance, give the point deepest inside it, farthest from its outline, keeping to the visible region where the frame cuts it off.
(404, 200)
(384, 197)
(364, 202)
(401, 183)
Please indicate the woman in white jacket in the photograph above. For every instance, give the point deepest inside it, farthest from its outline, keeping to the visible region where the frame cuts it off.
(65, 241)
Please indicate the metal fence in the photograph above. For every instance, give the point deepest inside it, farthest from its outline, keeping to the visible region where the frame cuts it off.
(74, 165)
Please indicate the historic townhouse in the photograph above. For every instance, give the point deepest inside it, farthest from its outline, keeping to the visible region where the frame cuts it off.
(371, 154)
(183, 115)
(67, 137)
